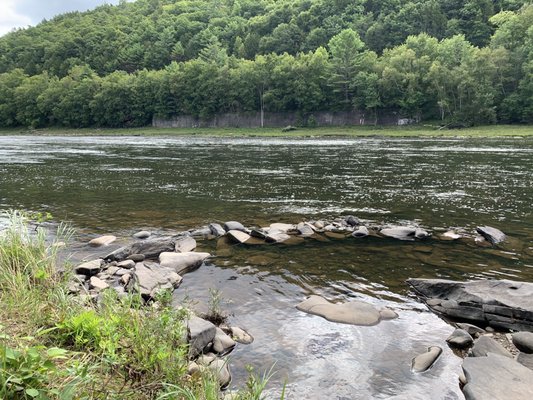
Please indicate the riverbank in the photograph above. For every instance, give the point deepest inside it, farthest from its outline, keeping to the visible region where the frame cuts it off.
(343, 131)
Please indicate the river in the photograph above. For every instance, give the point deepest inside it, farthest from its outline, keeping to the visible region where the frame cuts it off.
(120, 185)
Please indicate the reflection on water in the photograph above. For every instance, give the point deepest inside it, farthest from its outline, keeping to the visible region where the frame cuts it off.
(120, 185)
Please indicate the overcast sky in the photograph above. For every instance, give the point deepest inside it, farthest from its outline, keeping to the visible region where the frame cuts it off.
(21, 13)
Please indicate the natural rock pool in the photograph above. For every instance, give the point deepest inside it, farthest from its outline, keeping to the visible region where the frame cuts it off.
(119, 185)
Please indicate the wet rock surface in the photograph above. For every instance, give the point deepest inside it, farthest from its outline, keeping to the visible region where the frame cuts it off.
(493, 235)
(499, 303)
(353, 312)
(496, 377)
(425, 361)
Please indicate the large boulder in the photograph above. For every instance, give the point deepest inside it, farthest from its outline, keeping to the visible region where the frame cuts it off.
(150, 279)
(354, 312)
(182, 262)
(496, 378)
(150, 248)
(493, 235)
(498, 303)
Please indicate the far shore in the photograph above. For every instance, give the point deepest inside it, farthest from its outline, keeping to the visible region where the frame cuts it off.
(342, 131)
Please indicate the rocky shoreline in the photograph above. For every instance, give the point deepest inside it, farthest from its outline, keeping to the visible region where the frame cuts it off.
(151, 264)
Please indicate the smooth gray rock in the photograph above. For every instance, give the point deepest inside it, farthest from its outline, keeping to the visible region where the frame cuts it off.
(185, 244)
(499, 303)
(352, 221)
(473, 330)
(149, 279)
(222, 343)
(450, 235)
(136, 258)
(221, 370)
(182, 262)
(354, 312)
(127, 264)
(238, 236)
(361, 232)
(275, 236)
(234, 226)
(526, 360)
(426, 360)
(281, 227)
(142, 235)
(97, 283)
(523, 341)
(201, 232)
(493, 235)
(200, 335)
(400, 232)
(305, 229)
(217, 230)
(485, 345)
(460, 339)
(258, 233)
(89, 268)
(102, 241)
(496, 378)
(421, 233)
(150, 248)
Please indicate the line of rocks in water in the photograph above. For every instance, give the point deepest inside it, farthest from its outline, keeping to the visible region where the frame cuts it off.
(150, 265)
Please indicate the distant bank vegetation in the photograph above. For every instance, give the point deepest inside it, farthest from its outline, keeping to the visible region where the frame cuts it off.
(461, 62)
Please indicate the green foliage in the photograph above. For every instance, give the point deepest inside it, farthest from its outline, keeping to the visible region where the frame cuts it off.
(121, 66)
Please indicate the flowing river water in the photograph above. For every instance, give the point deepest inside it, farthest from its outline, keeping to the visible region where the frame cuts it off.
(119, 185)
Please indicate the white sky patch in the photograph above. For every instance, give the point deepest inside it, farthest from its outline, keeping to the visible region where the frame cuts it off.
(10, 18)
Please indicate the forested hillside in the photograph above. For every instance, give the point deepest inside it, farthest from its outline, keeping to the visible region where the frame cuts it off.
(457, 61)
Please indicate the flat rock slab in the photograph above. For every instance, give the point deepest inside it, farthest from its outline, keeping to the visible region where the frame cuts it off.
(149, 248)
(238, 236)
(485, 345)
(499, 303)
(491, 234)
(182, 262)
(426, 360)
(353, 312)
(496, 378)
(185, 244)
(89, 268)
(404, 233)
(102, 241)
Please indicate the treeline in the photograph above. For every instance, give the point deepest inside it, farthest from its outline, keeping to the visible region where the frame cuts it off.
(152, 33)
(449, 79)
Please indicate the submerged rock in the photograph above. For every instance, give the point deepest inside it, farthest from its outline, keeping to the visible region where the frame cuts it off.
(496, 378)
(102, 241)
(277, 237)
(404, 233)
(426, 360)
(499, 303)
(354, 312)
(450, 235)
(493, 235)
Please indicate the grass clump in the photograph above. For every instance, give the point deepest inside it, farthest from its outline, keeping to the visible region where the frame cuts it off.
(54, 345)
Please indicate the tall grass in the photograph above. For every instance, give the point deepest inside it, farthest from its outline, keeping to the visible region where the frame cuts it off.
(54, 345)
